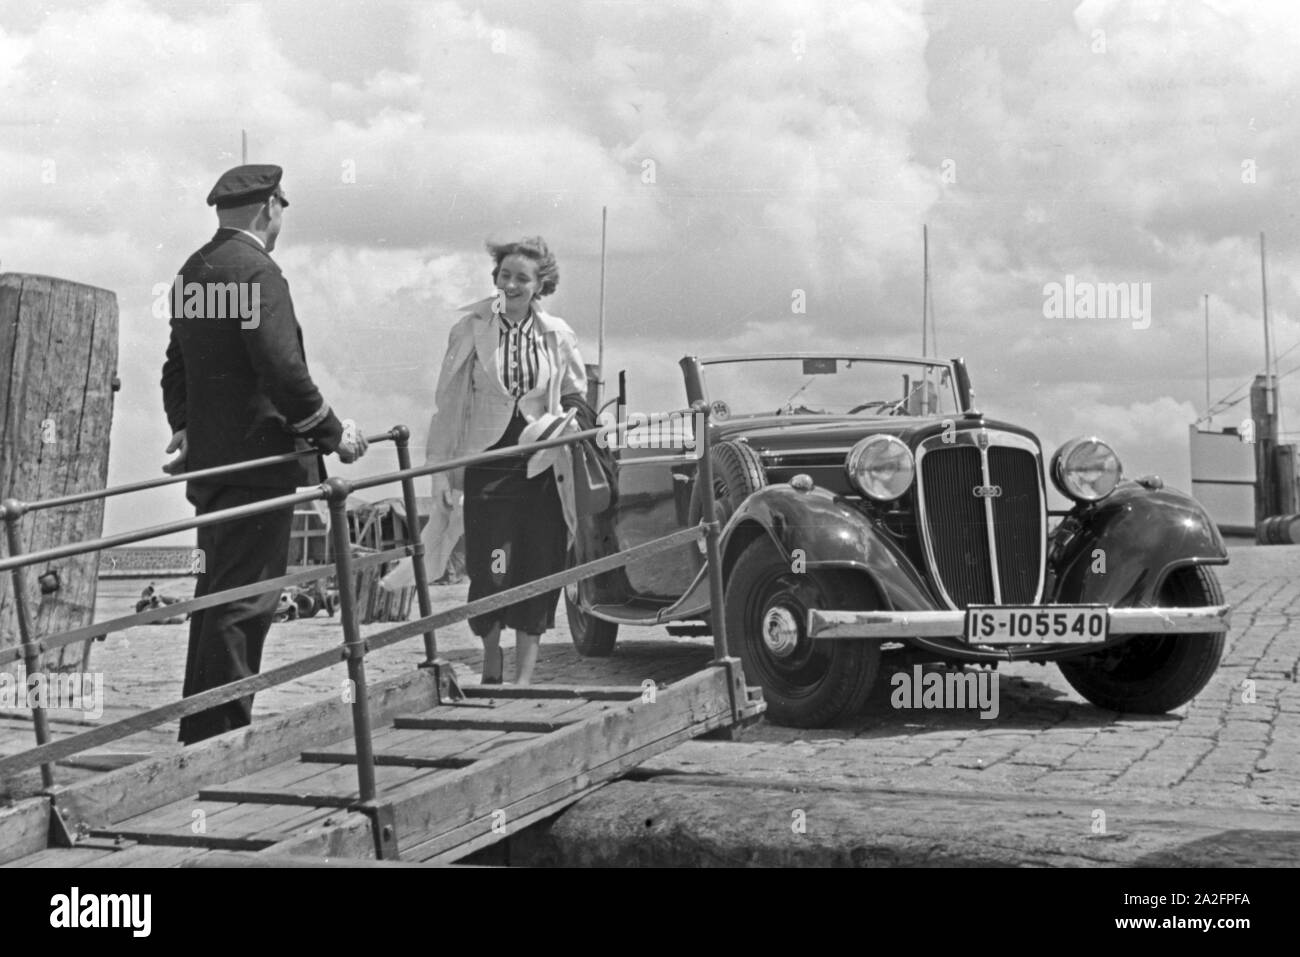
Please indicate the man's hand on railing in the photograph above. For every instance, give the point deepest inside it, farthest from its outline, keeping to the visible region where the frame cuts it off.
(353, 445)
(178, 443)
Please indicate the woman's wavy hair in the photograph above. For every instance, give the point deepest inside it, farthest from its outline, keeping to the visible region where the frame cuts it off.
(535, 248)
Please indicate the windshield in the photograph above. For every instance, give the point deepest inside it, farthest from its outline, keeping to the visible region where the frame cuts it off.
(828, 385)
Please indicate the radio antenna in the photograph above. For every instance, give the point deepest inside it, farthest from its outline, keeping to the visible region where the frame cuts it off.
(600, 356)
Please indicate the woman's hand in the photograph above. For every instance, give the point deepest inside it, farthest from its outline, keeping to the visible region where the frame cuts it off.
(443, 494)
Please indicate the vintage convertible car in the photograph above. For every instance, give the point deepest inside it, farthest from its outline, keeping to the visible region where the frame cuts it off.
(869, 509)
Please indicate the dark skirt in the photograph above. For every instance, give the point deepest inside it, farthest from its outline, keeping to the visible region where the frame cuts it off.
(514, 533)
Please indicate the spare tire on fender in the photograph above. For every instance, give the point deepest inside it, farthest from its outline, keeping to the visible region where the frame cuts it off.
(737, 474)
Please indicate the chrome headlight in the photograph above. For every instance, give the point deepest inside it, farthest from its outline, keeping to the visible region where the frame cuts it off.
(880, 467)
(1086, 469)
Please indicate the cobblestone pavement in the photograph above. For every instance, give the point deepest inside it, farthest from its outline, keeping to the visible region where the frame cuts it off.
(1224, 749)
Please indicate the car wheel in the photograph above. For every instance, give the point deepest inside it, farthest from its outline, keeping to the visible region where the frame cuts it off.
(806, 684)
(1152, 674)
(593, 637)
(306, 605)
(737, 474)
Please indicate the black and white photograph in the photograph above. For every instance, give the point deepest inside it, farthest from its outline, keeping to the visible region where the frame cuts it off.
(629, 434)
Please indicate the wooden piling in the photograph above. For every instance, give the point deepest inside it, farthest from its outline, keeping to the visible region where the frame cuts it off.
(58, 373)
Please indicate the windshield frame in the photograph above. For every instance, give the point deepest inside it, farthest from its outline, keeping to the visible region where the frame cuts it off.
(703, 362)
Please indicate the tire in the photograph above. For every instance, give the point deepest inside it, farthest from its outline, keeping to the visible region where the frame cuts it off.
(1153, 674)
(810, 684)
(737, 474)
(593, 637)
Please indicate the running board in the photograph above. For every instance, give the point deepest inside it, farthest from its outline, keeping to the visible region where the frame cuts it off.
(693, 604)
(627, 614)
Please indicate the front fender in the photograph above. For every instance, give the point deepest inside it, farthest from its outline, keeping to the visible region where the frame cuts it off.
(1119, 551)
(830, 533)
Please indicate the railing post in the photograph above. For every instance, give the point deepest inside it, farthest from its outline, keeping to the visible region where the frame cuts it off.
(354, 648)
(402, 437)
(11, 511)
(736, 687)
(717, 614)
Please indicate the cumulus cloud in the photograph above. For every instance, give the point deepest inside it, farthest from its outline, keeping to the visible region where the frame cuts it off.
(749, 155)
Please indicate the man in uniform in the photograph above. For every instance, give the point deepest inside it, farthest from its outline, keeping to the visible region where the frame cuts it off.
(236, 387)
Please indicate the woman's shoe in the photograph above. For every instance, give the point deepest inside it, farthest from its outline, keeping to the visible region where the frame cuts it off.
(497, 675)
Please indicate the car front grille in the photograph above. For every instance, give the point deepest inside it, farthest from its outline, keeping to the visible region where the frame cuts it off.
(984, 532)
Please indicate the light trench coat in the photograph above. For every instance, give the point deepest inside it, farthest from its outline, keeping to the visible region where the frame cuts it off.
(473, 409)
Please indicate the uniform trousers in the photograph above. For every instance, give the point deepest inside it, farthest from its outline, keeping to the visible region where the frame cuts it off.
(226, 641)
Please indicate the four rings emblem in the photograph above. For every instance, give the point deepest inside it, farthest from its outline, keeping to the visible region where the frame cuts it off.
(988, 491)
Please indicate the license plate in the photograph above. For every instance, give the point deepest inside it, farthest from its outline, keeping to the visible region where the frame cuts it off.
(1035, 624)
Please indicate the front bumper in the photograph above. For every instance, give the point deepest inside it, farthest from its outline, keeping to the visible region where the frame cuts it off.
(901, 625)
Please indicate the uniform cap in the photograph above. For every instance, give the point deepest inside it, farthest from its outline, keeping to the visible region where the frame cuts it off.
(246, 184)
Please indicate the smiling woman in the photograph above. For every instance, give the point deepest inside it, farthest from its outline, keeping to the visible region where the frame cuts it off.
(509, 371)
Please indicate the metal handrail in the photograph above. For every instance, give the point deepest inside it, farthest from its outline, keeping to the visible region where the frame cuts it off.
(479, 458)
(12, 509)
(325, 659)
(211, 472)
(104, 628)
(336, 492)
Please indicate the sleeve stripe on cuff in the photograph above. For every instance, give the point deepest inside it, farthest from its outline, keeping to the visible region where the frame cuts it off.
(313, 420)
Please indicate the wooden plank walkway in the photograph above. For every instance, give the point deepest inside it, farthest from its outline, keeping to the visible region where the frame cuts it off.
(451, 776)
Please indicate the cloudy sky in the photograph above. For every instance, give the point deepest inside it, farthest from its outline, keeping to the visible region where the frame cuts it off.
(744, 151)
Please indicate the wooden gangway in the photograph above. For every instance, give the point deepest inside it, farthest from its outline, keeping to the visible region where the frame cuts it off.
(411, 769)
(452, 776)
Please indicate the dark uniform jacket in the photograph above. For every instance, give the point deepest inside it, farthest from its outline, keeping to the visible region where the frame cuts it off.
(236, 374)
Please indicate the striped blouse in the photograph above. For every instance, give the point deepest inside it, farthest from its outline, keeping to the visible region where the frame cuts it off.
(519, 346)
